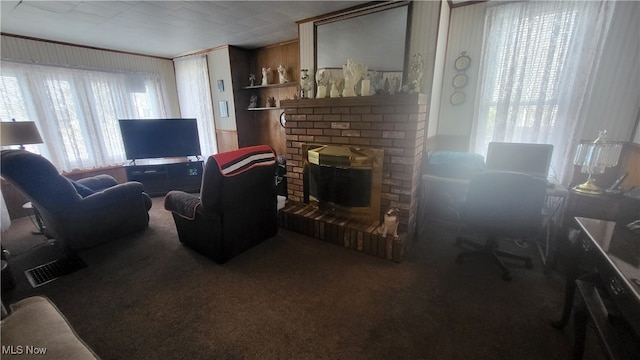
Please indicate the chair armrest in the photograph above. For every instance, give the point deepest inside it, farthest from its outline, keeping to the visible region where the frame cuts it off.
(123, 195)
(182, 203)
(98, 182)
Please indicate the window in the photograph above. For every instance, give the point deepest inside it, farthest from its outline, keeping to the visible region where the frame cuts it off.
(192, 78)
(77, 111)
(535, 72)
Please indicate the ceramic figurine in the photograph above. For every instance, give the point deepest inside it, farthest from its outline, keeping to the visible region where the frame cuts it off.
(253, 102)
(252, 79)
(390, 223)
(335, 87)
(271, 101)
(305, 83)
(282, 74)
(394, 84)
(377, 82)
(265, 75)
(323, 79)
(353, 72)
(415, 74)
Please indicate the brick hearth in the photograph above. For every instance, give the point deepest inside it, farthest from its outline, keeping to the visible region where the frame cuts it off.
(395, 124)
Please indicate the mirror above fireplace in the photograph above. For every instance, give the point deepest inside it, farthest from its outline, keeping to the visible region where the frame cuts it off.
(374, 35)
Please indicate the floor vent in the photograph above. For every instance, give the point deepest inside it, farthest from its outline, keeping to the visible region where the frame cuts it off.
(48, 272)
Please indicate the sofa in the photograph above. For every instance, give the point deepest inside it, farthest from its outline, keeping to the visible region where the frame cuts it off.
(36, 329)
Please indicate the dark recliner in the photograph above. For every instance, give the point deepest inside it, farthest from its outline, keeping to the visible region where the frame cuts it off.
(502, 205)
(237, 208)
(80, 213)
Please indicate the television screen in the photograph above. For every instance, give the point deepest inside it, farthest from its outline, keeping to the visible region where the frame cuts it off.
(159, 138)
(532, 159)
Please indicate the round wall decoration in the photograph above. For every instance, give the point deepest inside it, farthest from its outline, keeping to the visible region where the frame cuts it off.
(283, 119)
(457, 98)
(460, 81)
(463, 61)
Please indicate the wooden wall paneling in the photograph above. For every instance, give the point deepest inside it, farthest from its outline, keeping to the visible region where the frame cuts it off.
(265, 126)
(240, 69)
(630, 163)
(227, 140)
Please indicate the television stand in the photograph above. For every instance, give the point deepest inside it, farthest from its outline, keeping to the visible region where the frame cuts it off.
(160, 177)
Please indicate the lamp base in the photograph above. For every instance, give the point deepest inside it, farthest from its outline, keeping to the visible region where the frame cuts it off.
(588, 187)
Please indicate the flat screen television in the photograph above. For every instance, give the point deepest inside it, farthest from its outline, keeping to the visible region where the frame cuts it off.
(532, 159)
(159, 138)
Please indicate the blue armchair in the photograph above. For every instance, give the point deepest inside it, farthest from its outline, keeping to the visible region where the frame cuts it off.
(81, 213)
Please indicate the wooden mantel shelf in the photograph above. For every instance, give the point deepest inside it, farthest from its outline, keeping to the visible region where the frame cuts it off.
(287, 84)
(373, 100)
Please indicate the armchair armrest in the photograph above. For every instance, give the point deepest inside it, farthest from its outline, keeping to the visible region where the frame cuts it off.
(121, 195)
(98, 182)
(182, 204)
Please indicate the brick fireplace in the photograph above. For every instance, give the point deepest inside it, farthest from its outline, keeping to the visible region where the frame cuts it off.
(394, 124)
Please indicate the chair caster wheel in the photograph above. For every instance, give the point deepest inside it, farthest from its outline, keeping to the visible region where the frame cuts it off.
(528, 264)
(506, 276)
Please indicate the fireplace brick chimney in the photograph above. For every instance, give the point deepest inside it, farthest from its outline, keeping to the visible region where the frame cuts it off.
(394, 123)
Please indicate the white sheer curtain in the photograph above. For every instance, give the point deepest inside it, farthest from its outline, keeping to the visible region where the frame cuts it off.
(77, 111)
(194, 93)
(536, 73)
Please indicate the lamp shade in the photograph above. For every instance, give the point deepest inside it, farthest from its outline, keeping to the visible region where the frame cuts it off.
(19, 133)
(593, 158)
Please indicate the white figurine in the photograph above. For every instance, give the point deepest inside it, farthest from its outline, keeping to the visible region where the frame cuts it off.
(305, 83)
(415, 74)
(265, 75)
(335, 87)
(390, 223)
(353, 72)
(323, 79)
(282, 74)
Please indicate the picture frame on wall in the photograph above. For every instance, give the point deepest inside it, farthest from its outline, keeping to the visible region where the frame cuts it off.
(224, 109)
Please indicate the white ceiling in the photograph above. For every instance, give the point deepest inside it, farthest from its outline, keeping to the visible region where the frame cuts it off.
(162, 28)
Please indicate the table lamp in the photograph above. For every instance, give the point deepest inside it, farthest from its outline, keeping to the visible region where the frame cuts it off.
(19, 133)
(593, 158)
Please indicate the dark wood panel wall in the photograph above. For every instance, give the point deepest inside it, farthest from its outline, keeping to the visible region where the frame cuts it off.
(265, 124)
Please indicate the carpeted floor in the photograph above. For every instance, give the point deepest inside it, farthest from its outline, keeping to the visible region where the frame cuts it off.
(292, 297)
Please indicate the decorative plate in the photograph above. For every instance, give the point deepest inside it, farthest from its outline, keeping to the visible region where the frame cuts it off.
(457, 98)
(462, 62)
(283, 119)
(460, 81)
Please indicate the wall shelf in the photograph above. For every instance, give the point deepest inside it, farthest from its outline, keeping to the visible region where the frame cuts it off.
(264, 108)
(288, 84)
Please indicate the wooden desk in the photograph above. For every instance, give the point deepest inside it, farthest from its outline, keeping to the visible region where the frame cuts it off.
(609, 294)
(603, 206)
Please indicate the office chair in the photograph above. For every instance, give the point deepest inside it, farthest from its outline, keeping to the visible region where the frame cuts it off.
(501, 205)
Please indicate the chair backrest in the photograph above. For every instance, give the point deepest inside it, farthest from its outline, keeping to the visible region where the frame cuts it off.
(240, 187)
(453, 164)
(504, 203)
(244, 174)
(37, 179)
